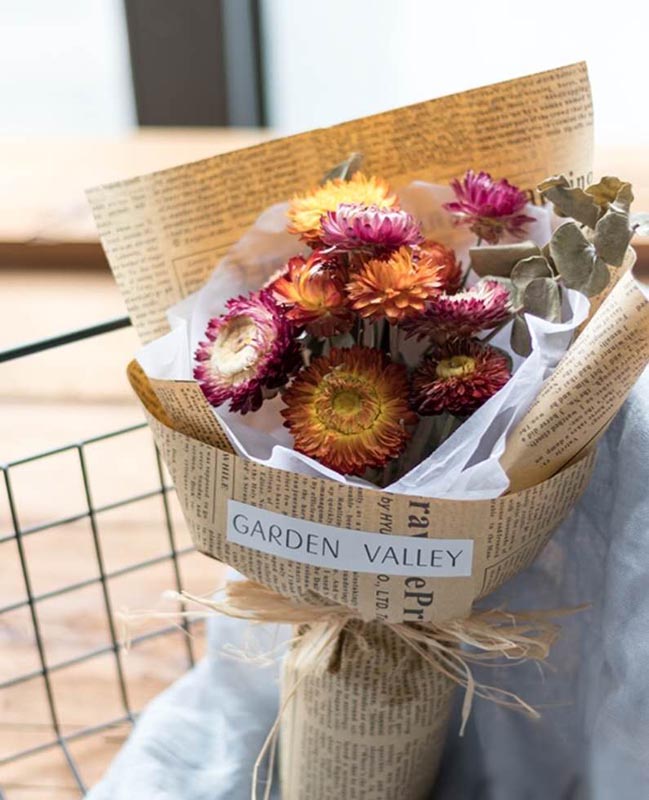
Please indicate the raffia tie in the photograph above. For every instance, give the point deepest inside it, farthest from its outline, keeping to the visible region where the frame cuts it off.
(491, 636)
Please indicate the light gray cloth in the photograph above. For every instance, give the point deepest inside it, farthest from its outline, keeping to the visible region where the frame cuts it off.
(198, 740)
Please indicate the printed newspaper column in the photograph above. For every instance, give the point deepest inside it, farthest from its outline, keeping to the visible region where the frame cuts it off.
(586, 390)
(369, 726)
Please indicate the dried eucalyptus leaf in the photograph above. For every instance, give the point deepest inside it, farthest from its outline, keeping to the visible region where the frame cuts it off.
(529, 268)
(345, 169)
(640, 223)
(611, 190)
(577, 261)
(521, 341)
(624, 199)
(498, 260)
(542, 297)
(570, 201)
(525, 271)
(612, 236)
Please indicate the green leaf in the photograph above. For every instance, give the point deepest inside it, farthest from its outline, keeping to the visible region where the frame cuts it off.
(525, 271)
(612, 236)
(570, 201)
(577, 261)
(345, 169)
(611, 190)
(542, 297)
(498, 260)
(521, 340)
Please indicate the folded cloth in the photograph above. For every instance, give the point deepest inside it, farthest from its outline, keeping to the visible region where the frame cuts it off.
(199, 739)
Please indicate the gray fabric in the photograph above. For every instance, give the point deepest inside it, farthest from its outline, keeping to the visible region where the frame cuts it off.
(198, 740)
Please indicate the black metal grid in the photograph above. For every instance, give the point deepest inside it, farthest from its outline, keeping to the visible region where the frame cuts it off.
(92, 512)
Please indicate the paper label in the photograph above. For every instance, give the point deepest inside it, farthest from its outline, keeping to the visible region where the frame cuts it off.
(345, 549)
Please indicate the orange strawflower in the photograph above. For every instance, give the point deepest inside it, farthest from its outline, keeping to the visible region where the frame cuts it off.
(395, 288)
(450, 274)
(306, 211)
(348, 410)
(312, 291)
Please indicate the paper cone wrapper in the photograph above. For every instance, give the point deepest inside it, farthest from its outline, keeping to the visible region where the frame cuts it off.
(372, 727)
(386, 557)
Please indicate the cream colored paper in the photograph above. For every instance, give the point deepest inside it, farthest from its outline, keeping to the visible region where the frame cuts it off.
(163, 233)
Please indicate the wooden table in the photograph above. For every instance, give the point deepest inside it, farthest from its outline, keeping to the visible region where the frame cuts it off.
(44, 216)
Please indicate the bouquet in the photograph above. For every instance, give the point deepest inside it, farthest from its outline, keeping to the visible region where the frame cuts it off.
(385, 397)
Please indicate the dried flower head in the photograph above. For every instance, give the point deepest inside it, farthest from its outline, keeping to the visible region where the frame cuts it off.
(306, 211)
(249, 352)
(312, 291)
(349, 409)
(490, 208)
(394, 288)
(359, 227)
(450, 273)
(482, 307)
(459, 377)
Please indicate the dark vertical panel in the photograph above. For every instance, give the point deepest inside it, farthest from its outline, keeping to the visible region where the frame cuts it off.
(242, 51)
(196, 62)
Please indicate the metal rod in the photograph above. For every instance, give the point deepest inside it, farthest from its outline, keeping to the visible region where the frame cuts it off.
(174, 555)
(40, 345)
(104, 586)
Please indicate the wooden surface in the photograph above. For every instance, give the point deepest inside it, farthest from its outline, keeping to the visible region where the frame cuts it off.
(43, 211)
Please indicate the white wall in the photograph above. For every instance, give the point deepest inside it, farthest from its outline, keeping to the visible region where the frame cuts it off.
(331, 60)
(64, 67)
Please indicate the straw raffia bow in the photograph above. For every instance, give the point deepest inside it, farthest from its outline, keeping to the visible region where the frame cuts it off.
(450, 647)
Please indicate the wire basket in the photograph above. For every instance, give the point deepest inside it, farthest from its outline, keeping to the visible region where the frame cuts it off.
(52, 713)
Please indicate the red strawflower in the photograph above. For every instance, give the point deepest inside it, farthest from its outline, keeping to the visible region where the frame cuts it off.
(482, 307)
(459, 377)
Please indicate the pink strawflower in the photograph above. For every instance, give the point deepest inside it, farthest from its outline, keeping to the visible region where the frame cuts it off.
(459, 377)
(250, 351)
(482, 307)
(357, 227)
(490, 208)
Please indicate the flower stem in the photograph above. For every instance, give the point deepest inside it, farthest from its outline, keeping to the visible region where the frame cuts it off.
(394, 343)
(368, 332)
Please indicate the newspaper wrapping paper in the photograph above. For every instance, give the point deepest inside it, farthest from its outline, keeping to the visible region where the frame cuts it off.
(164, 232)
(378, 725)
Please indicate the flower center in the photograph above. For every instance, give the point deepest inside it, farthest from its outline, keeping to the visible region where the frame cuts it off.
(455, 367)
(346, 402)
(235, 349)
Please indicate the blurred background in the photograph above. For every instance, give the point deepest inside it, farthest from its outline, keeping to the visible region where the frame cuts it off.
(99, 90)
